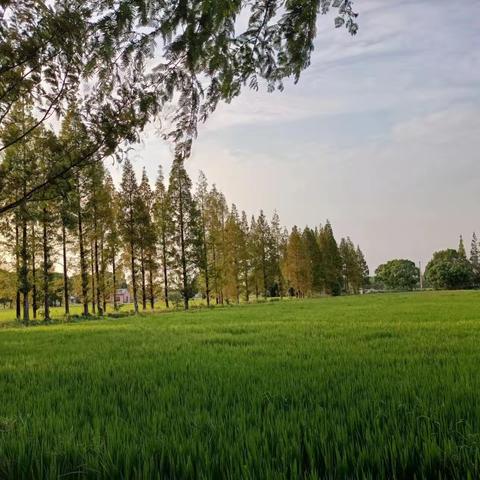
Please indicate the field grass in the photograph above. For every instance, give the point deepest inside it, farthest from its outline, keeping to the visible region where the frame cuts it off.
(380, 386)
(7, 315)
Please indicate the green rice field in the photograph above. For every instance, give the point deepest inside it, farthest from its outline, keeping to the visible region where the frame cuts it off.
(372, 386)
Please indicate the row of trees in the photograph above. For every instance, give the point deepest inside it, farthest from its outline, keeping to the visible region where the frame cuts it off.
(448, 269)
(123, 64)
(172, 238)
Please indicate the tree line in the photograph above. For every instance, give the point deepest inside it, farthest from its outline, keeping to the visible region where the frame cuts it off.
(173, 239)
(121, 65)
(449, 269)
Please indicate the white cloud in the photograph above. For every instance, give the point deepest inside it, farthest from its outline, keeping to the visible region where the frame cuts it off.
(402, 196)
(381, 135)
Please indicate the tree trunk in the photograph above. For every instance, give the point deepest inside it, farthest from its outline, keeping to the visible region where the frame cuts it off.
(205, 260)
(264, 273)
(97, 275)
(150, 285)
(24, 269)
(237, 281)
(92, 273)
(215, 278)
(46, 266)
(183, 259)
(165, 269)
(97, 270)
(114, 275)
(144, 285)
(83, 262)
(17, 263)
(34, 276)
(65, 271)
(247, 292)
(134, 280)
(102, 275)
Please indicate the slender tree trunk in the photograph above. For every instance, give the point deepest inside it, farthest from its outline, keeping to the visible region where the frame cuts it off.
(247, 291)
(183, 260)
(17, 263)
(144, 285)
(46, 267)
(264, 273)
(205, 260)
(215, 275)
(134, 280)
(66, 294)
(92, 273)
(102, 274)
(97, 275)
(237, 281)
(24, 270)
(96, 293)
(150, 285)
(83, 262)
(224, 269)
(114, 275)
(165, 269)
(34, 275)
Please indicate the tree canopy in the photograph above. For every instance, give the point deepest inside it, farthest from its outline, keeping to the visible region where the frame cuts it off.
(398, 274)
(125, 62)
(449, 269)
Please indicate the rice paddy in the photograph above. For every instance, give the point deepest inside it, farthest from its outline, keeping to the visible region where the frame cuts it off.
(373, 386)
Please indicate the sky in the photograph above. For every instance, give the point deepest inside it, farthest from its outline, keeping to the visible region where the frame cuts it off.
(381, 135)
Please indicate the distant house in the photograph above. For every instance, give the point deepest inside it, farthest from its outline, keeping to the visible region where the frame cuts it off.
(122, 295)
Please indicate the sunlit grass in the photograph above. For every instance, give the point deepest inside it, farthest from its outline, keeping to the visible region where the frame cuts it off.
(57, 314)
(382, 386)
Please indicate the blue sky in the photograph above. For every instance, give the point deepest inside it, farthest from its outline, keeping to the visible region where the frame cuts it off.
(381, 135)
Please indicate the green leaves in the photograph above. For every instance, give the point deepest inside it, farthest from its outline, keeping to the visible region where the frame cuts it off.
(100, 55)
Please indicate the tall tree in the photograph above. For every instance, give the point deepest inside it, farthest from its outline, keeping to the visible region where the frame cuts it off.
(365, 272)
(147, 238)
(161, 215)
(73, 137)
(185, 231)
(332, 262)
(275, 246)
(261, 243)
(68, 225)
(233, 242)
(128, 205)
(95, 207)
(351, 269)
(297, 269)
(216, 219)
(48, 146)
(475, 259)
(113, 240)
(314, 258)
(461, 248)
(245, 257)
(201, 197)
